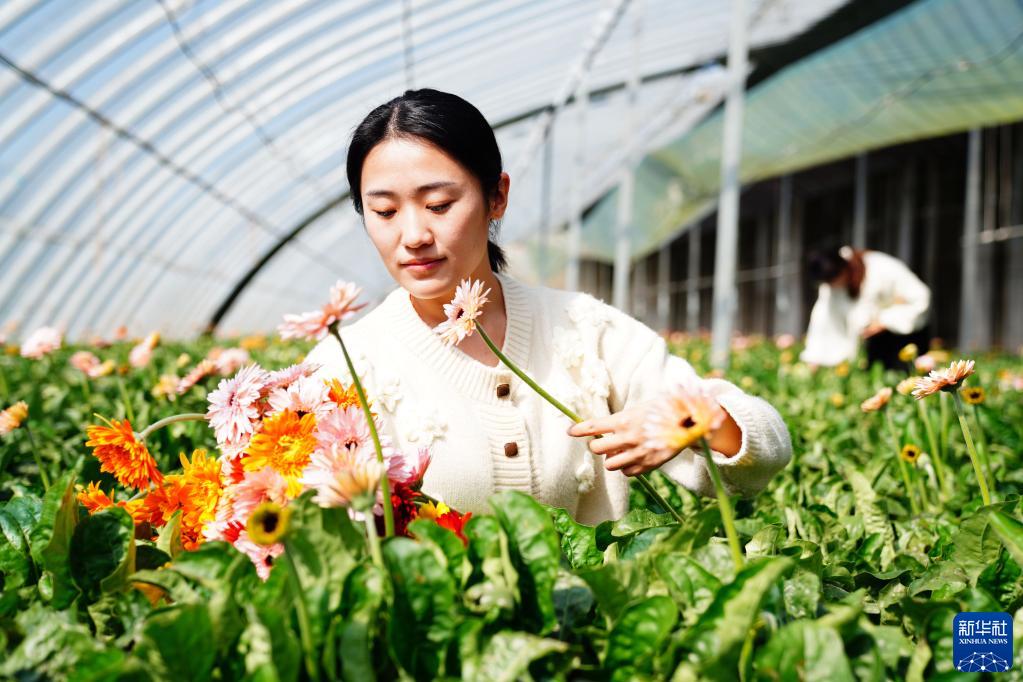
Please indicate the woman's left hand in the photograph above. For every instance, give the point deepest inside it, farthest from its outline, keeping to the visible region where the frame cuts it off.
(623, 442)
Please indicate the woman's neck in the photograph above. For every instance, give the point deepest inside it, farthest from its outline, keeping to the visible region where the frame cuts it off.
(431, 310)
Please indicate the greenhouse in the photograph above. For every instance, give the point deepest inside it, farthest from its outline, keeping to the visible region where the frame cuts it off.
(511, 340)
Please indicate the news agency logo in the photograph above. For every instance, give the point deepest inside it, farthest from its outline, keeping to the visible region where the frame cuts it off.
(982, 641)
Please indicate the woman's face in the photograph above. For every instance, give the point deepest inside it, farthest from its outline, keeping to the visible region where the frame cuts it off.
(427, 216)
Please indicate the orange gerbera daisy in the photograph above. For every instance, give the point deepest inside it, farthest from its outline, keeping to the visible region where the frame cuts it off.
(343, 396)
(94, 500)
(877, 401)
(122, 455)
(198, 496)
(285, 444)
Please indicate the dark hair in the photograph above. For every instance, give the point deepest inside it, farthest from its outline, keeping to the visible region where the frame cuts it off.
(824, 266)
(445, 120)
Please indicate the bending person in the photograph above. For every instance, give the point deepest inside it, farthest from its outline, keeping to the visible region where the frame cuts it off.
(864, 295)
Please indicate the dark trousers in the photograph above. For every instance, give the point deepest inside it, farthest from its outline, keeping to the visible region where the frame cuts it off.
(885, 346)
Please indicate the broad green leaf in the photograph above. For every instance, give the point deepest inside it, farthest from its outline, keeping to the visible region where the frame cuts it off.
(103, 552)
(578, 541)
(169, 540)
(976, 545)
(318, 544)
(422, 617)
(804, 650)
(689, 583)
(56, 647)
(533, 544)
(177, 643)
(50, 540)
(1010, 532)
(638, 636)
(874, 519)
(16, 567)
(268, 646)
(508, 655)
(363, 601)
(616, 585)
(445, 540)
(802, 594)
(714, 641)
(637, 520)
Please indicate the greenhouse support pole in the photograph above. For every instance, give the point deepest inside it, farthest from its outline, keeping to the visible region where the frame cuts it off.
(783, 318)
(971, 311)
(546, 178)
(725, 251)
(640, 309)
(626, 189)
(575, 224)
(664, 287)
(693, 280)
(762, 286)
(907, 206)
(1013, 335)
(859, 235)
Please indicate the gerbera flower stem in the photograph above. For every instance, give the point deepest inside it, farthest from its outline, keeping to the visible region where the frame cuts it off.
(643, 480)
(304, 627)
(167, 421)
(902, 465)
(939, 464)
(725, 505)
(385, 487)
(943, 423)
(984, 450)
(129, 412)
(372, 540)
(974, 458)
(37, 456)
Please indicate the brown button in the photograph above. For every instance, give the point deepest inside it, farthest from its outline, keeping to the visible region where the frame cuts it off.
(503, 390)
(511, 449)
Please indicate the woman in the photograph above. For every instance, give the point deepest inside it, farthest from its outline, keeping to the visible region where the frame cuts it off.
(425, 173)
(864, 295)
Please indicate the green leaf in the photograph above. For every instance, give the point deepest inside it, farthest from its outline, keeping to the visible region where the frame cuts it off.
(689, 583)
(508, 655)
(638, 636)
(976, 545)
(1010, 532)
(363, 601)
(149, 557)
(103, 552)
(802, 593)
(16, 566)
(637, 520)
(268, 645)
(422, 618)
(444, 539)
(875, 520)
(616, 585)
(50, 540)
(533, 544)
(578, 541)
(804, 650)
(55, 647)
(169, 540)
(718, 635)
(177, 643)
(320, 543)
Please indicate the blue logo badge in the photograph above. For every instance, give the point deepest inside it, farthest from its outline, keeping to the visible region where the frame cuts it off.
(982, 642)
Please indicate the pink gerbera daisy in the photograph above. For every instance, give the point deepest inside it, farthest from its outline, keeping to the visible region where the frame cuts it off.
(233, 409)
(305, 395)
(42, 341)
(342, 475)
(462, 312)
(314, 325)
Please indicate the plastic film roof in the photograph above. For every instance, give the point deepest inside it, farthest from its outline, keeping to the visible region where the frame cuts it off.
(933, 68)
(153, 151)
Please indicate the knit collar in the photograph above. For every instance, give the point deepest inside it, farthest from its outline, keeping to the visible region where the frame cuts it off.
(473, 378)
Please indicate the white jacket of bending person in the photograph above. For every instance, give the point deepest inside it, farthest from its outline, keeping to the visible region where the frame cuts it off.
(890, 295)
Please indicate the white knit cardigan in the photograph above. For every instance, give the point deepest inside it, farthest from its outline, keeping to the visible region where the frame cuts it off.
(488, 431)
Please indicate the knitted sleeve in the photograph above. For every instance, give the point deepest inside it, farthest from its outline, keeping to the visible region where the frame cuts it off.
(642, 369)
